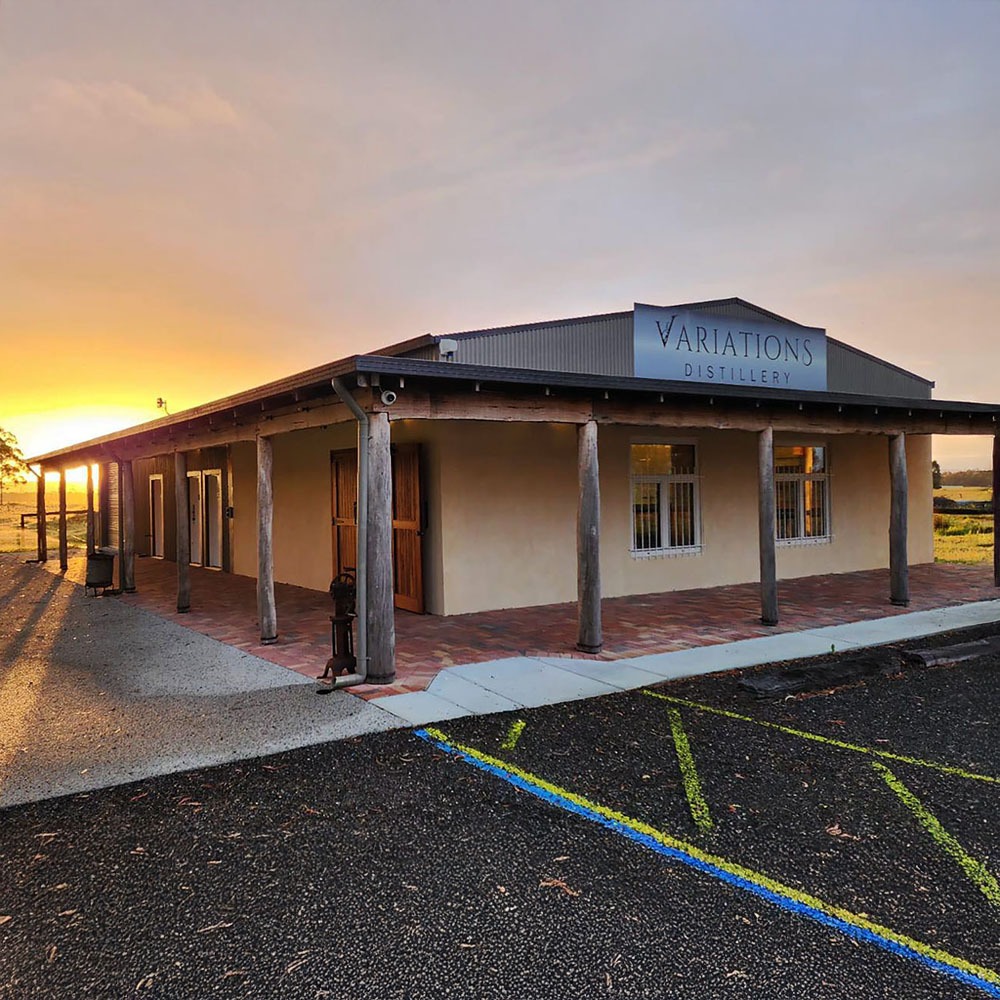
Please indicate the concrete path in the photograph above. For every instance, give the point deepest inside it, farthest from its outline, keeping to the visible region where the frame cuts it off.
(528, 682)
(95, 693)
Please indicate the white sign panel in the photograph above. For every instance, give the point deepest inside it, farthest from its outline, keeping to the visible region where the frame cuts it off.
(693, 346)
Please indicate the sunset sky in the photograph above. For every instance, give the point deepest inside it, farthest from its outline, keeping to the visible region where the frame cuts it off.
(199, 197)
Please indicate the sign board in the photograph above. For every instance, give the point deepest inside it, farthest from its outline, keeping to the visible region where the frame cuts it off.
(688, 345)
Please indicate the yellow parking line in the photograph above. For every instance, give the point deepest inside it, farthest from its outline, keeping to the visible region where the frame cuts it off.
(513, 734)
(955, 772)
(854, 925)
(692, 784)
(976, 871)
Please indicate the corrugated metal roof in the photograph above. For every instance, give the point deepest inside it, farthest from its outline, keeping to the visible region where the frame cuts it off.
(603, 345)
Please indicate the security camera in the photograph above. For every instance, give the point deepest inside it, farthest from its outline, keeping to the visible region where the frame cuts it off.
(388, 397)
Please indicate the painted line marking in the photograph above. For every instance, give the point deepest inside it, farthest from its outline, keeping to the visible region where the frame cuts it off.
(974, 869)
(513, 734)
(955, 772)
(793, 900)
(692, 784)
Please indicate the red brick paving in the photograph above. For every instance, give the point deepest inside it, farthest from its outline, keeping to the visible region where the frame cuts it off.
(224, 607)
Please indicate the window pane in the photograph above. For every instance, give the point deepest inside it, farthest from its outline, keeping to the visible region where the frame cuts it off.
(816, 509)
(786, 496)
(682, 459)
(791, 459)
(663, 459)
(646, 515)
(682, 515)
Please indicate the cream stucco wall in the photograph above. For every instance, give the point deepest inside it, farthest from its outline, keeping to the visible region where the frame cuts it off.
(509, 507)
(501, 511)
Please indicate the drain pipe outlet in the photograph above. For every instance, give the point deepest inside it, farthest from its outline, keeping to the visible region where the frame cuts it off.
(348, 680)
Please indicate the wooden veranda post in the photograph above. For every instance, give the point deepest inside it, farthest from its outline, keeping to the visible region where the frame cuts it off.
(43, 538)
(899, 569)
(183, 533)
(588, 542)
(126, 490)
(996, 508)
(381, 610)
(267, 613)
(766, 506)
(91, 543)
(63, 538)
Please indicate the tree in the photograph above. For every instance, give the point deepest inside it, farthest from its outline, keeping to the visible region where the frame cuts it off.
(12, 467)
(936, 474)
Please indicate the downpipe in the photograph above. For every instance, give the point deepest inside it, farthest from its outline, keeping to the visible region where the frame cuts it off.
(361, 674)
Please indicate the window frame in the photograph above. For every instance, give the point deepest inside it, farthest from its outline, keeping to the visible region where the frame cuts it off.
(664, 481)
(800, 478)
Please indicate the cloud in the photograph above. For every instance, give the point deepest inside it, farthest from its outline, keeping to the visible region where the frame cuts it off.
(115, 101)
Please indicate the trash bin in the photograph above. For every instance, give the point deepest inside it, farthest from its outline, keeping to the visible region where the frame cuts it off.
(344, 593)
(101, 570)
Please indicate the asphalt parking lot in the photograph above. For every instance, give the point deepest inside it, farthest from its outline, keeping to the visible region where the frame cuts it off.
(687, 841)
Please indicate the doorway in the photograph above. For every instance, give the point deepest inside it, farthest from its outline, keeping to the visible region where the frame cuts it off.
(212, 492)
(407, 521)
(196, 518)
(156, 548)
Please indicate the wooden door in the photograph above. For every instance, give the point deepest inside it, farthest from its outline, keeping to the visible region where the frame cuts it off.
(344, 511)
(407, 528)
(407, 521)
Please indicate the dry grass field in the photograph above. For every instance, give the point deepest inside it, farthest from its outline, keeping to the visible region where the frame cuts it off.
(15, 539)
(960, 538)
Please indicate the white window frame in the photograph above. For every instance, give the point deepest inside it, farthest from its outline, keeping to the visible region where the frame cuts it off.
(799, 478)
(665, 482)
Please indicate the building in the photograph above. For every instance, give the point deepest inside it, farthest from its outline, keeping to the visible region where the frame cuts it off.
(650, 450)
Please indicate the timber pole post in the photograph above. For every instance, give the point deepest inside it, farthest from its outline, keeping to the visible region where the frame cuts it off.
(41, 526)
(381, 604)
(91, 544)
(588, 542)
(126, 488)
(267, 613)
(766, 528)
(996, 508)
(63, 536)
(899, 568)
(183, 554)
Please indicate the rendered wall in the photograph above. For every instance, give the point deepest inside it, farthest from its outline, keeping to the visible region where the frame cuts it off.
(501, 501)
(509, 508)
(303, 543)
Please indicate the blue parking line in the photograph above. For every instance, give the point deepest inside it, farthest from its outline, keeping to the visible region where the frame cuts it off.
(852, 925)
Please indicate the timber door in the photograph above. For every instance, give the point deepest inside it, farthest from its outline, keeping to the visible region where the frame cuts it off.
(407, 526)
(344, 511)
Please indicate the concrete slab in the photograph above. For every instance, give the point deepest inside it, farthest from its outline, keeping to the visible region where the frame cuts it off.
(418, 708)
(621, 674)
(470, 695)
(911, 626)
(531, 682)
(733, 655)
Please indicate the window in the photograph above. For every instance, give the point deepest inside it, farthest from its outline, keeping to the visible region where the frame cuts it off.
(802, 493)
(665, 504)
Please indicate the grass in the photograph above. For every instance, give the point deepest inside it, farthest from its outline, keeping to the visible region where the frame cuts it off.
(961, 538)
(981, 493)
(14, 539)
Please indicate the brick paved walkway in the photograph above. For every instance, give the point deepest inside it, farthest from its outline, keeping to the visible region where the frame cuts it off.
(224, 607)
